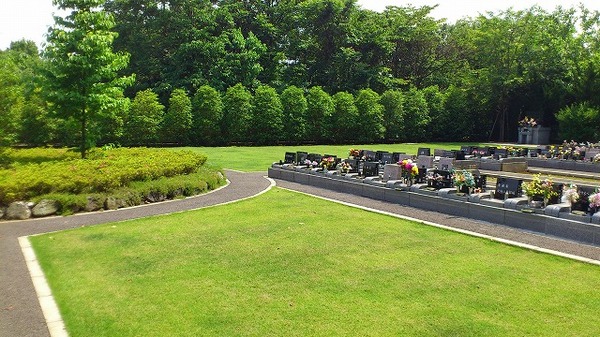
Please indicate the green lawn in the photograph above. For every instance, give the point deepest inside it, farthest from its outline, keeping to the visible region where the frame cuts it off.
(285, 264)
(259, 158)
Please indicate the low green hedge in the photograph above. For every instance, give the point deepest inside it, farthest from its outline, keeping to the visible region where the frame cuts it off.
(105, 170)
(141, 192)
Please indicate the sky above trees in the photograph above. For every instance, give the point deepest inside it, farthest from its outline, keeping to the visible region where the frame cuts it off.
(30, 19)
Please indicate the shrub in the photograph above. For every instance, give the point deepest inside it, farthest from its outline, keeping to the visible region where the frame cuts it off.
(104, 170)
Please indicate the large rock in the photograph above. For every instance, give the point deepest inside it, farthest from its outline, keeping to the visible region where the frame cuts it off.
(18, 210)
(45, 207)
(111, 203)
(93, 204)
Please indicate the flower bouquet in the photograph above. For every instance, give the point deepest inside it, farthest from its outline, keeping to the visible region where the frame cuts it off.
(570, 194)
(594, 202)
(409, 170)
(528, 122)
(538, 190)
(463, 180)
(353, 153)
(310, 164)
(327, 163)
(344, 167)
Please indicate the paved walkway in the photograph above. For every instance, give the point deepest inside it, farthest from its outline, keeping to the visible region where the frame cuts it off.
(20, 313)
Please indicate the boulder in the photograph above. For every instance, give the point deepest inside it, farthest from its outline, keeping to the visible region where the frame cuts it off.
(45, 207)
(111, 203)
(18, 210)
(93, 204)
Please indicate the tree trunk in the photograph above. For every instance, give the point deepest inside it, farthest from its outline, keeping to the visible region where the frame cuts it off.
(82, 145)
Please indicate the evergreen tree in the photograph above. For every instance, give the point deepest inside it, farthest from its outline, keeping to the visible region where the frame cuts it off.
(237, 109)
(294, 113)
(370, 114)
(207, 112)
(178, 119)
(143, 121)
(267, 116)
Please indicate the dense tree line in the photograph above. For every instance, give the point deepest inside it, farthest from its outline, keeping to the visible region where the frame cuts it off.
(263, 71)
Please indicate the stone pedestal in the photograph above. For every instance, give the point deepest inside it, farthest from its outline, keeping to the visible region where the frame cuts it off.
(534, 135)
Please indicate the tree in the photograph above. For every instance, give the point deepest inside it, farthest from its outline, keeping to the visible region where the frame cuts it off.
(82, 80)
(143, 121)
(267, 116)
(345, 119)
(370, 114)
(318, 114)
(178, 119)
(393, 114)
(237, 110)
(580, 122)
(294, 113)
(416, 116)
(207, 112)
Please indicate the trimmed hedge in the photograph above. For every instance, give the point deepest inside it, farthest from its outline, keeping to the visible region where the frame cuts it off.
(105, 170)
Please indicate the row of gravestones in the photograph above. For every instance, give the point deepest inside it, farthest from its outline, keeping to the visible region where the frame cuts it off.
(381, 164)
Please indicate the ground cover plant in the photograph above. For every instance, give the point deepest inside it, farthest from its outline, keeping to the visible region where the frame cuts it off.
(293, 265)
(60, 174)
(259, 158)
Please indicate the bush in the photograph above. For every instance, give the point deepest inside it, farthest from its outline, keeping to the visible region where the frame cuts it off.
(103, 171)
(580, 122)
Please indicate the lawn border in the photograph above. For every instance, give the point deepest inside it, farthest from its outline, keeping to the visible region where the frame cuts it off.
(54, 321)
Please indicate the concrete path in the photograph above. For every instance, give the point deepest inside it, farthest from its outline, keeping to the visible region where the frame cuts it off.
(20, 313)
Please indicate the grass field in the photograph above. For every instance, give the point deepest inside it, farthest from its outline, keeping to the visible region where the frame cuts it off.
(285, 264)
(259, 158)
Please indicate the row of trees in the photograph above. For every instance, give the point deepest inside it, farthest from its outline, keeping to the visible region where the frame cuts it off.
(472, 80)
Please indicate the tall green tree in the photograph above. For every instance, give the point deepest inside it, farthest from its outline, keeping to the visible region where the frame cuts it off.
(237, 111)
(393, 114)
(345, 119)
(142, 125)
(294, 113)
(178, 119)
(318, 115)
(416, 116)
(266, 123)
(370, 113)
(207, 112)
(82, 70)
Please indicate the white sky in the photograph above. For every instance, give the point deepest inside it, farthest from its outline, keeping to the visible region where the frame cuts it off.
(30, 19)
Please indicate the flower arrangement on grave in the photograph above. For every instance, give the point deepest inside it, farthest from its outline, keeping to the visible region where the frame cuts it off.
(595, 200)
(327, 163)
(570, 194)
(596, 158)
(354, 153)
(463, 179)
(539, 189)
(311, 164)
(432, 176)
(344, 167)
(409, 169)
(528, 122)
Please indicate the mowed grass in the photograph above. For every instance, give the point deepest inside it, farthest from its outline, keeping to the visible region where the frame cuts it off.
(285, 264)
(249, 159)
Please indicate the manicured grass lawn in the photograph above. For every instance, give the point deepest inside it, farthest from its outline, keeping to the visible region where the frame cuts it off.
(284, 264)
(259, 158)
